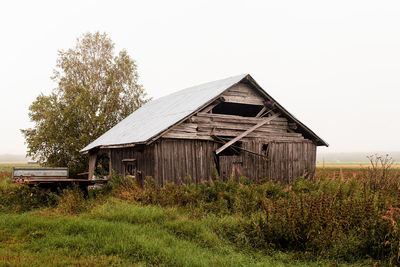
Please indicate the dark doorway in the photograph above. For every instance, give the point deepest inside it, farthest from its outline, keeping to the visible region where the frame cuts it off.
(102, 168)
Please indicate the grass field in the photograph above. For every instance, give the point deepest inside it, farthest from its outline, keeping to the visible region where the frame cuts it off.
(221, 224)
(120, 234)
(7, 166)
(351, 165)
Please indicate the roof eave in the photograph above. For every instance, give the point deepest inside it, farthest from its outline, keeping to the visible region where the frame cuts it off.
(84, 151)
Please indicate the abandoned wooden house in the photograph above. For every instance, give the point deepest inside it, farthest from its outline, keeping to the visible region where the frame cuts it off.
(231, 126)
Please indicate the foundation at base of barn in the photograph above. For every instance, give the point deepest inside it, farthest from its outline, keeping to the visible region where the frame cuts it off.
(231, 126)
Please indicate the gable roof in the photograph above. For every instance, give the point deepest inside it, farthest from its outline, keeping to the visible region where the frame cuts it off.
(158, 115)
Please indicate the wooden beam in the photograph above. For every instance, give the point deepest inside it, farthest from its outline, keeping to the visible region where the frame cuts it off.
(118, 146)
(261, 112)
(109, 163)
(211, 106)
(92, 165)
(128, 160)
(222, 141)
(237, 138)
(250, 100)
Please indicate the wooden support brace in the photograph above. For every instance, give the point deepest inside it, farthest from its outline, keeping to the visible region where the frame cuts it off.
(211, 106)
(222, 141)
(92, 165)
(237, 138)
(261, 112)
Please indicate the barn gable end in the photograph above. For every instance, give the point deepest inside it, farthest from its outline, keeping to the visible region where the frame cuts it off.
(236, 110)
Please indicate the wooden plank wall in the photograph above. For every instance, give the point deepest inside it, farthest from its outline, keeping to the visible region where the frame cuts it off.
(203, 125)
(144, 156)
(170, 160)
(286, 161)
(230, 166)
(242, 93)
(254, 166)
(177, 158)
(290, 160)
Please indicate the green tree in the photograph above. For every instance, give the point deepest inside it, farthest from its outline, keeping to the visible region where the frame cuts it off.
(95, 90)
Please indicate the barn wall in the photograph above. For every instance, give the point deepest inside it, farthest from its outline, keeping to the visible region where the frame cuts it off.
(170, 160)
(144, 156)
(280, 161)
(290, 160)
(177, 158)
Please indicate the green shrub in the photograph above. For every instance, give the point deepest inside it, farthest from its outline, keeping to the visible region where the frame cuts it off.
(21, 198)
(71, 201)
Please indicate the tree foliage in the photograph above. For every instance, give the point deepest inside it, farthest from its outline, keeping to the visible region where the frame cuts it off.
(95, 90)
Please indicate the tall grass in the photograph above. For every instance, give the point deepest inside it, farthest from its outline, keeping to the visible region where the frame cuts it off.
(346, 218)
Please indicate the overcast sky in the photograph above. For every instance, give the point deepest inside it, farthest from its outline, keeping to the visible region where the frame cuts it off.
(335, 65)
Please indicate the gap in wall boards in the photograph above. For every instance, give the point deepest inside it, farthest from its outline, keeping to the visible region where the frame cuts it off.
(233, 150)
(244, 110)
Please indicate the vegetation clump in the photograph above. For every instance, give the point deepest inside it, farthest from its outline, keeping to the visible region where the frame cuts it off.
(345, 218)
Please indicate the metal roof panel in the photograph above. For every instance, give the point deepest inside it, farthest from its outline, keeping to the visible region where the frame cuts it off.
(158, 115)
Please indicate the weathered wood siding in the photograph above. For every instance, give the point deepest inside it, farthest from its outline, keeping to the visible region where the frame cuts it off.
(231, 166)
(203, 125)
(177, 158)
(244, 94)
(170, 160)
(290, 160)
(144, 156)
(282, 161)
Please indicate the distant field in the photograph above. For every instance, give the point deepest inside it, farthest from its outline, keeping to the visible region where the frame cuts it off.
(350, 165)
(7, 166)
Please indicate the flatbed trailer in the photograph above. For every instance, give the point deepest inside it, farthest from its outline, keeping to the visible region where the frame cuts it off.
(49, 177)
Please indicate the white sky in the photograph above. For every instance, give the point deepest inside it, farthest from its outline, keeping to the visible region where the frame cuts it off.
(334, 64)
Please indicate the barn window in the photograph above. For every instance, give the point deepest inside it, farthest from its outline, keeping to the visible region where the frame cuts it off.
(237, 109)
(129, 167)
